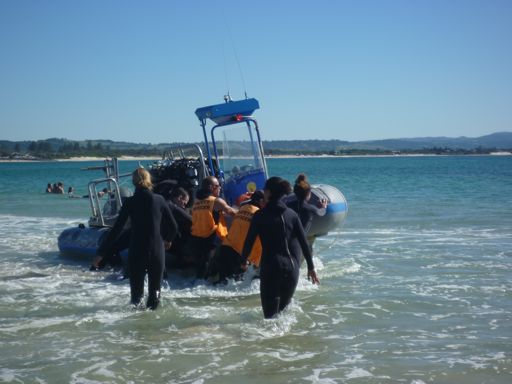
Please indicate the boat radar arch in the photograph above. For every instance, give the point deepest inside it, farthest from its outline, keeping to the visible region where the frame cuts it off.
(228, 111)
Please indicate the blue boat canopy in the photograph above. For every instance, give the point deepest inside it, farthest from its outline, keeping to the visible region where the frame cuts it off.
(231, 110)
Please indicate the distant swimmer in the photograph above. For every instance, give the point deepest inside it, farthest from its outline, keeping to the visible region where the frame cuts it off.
(71, 193)
(103, 192)
(58, 188)
(282, 239)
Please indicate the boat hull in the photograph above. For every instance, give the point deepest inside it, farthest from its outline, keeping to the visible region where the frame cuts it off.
(81, 242)
(336, 210)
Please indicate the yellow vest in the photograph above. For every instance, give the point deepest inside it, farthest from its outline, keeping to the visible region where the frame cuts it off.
(238, 233)
(203, 222)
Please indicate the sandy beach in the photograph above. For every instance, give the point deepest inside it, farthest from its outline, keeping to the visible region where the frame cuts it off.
(128, 158)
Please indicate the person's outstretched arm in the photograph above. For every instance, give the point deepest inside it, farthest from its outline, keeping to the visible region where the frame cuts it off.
(301, 237)
(170, 225)
(124, 213)
(251, 237)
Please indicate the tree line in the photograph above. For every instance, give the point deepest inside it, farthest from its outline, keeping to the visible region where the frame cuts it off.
(45, 149)
(61, 148)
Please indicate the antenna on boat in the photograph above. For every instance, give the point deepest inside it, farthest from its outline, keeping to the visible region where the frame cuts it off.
(235, 53)
(228, 99)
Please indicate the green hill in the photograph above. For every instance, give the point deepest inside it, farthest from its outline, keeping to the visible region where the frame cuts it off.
(63, 148)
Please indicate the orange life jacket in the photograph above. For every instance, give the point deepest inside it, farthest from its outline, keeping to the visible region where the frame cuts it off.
(238, 233)
(203, 222)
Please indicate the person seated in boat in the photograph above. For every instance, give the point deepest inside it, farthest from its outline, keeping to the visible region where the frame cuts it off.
(301, 205)
(178, 201)
(208, 223)
(227, 260)
(150, 218)
(103, 192)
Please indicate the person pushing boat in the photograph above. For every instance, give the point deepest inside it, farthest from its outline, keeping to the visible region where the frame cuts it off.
(150, 216)
(208, 224)
(282, 238)
(226, 262)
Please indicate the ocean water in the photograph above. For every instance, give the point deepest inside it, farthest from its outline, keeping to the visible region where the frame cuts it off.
(416, 287)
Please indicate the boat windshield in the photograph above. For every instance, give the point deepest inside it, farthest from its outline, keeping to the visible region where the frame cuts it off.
(240, 157)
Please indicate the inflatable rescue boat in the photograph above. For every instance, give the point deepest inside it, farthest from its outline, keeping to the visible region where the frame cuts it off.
(232, 151)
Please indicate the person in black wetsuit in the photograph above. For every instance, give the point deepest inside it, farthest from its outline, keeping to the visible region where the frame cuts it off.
(150, 216)
(282, 238)
(304, 208)
(178, 202)
(179, 199)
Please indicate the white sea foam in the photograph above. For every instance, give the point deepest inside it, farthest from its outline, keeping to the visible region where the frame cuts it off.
(28, 235)
(99, 369)
(285, 355)
(356, 373)
(38, 324)
(316, 378)
(200, 288)
(339, 267)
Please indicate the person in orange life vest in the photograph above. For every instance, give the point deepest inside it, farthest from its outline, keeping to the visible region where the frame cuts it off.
(208, 223)
(227, 261)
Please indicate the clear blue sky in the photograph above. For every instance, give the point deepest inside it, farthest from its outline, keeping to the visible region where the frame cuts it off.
(351, 70)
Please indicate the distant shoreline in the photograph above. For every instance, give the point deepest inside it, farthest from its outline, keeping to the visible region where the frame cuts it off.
(154, 158)
(81, 159)
(384, 155)
(122, 158)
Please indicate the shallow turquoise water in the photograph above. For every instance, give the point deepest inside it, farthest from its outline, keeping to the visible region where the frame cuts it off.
(416, 288)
